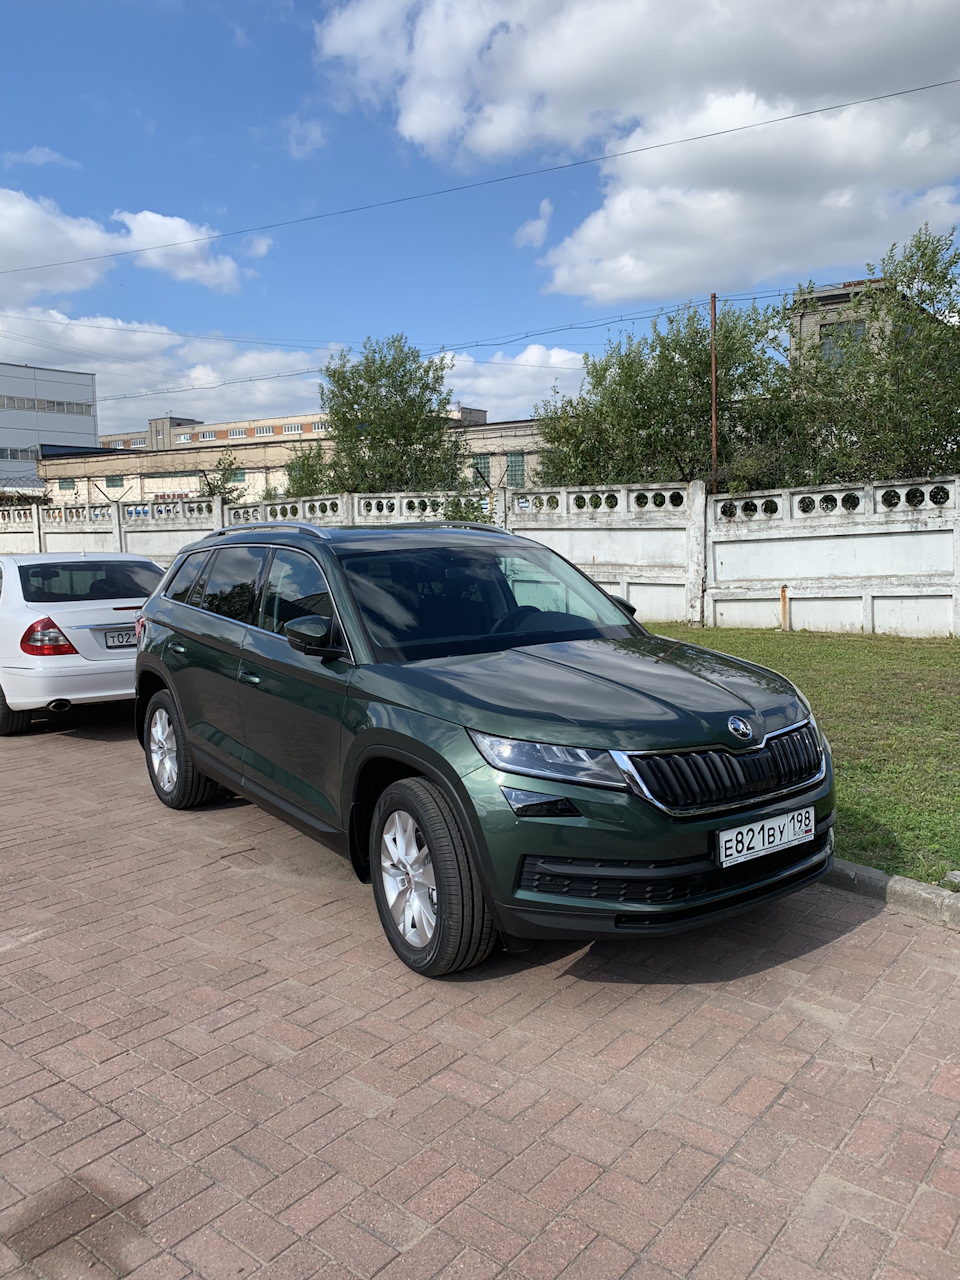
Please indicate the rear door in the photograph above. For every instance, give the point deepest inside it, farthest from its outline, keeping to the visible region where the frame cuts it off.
(202, 653)
(291, 704)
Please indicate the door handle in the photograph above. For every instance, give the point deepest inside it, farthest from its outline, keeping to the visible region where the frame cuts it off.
(178, 648)
(248, 677)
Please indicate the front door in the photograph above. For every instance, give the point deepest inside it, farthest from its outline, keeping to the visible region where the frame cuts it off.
(291, 703)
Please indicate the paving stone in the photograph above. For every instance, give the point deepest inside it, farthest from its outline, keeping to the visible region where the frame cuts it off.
(212, 1064)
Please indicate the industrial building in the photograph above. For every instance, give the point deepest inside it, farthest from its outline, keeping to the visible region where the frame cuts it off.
(42, 406)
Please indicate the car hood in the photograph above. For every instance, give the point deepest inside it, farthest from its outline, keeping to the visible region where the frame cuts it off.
(621, 694)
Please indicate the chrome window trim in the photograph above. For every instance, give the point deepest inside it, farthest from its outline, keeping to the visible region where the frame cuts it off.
(639, 787)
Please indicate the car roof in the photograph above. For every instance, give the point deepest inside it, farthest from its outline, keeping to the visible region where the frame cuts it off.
(406, 536)
(70, 557)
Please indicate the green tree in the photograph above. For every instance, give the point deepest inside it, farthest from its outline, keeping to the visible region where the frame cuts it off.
(307, 471)
(388, 413)
(221, 481)
(643, 409)
(879, 400)
(884, 401)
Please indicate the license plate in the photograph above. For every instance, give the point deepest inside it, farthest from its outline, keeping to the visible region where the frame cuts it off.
(753, 840)
(125, 639)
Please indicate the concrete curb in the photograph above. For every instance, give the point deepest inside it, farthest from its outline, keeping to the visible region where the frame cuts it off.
(928, 901)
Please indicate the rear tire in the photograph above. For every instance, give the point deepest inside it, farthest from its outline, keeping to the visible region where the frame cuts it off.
(428, 893)
(175, 778)
(12, 722)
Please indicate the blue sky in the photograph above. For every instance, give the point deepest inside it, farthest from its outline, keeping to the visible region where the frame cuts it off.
(186, 118)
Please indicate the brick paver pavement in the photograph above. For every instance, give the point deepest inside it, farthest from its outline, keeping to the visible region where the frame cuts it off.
(212, 1064)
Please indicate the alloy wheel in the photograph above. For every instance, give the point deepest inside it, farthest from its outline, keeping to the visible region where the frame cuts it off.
(409, 881)
(163, 750)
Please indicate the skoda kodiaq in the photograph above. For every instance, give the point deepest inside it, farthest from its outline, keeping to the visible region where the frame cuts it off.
(488, 736)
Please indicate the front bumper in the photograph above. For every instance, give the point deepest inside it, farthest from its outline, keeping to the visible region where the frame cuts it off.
(30, 688)
(623, 868)
(532, 922)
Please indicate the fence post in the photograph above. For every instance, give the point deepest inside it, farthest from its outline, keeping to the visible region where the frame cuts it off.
(502, 503)
(37, 535)
(218, 511)
(696, 551)
(118, 530)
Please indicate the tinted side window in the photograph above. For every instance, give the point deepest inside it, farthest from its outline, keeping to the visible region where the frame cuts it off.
(185, 577)
(295, 588)
(231, 582)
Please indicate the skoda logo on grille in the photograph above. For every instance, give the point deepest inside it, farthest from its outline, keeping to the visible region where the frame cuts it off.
(739, 728)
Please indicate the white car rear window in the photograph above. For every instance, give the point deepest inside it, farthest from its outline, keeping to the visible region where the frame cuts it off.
(88, 580)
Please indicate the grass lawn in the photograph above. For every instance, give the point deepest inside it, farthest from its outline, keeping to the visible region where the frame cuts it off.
(890, 707)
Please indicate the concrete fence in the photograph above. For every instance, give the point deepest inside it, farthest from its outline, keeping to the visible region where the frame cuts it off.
(877, 557)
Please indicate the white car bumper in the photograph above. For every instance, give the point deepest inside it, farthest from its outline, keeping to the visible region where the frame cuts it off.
(28, 688)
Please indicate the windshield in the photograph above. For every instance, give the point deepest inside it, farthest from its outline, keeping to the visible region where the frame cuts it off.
(89, 580)
(432, 603)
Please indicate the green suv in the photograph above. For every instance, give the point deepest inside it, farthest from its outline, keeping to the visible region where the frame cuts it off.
(487, 735)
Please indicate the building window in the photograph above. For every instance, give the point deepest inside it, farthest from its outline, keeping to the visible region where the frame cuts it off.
(117, 444)
(140, 443)
(264, 431)
(183, 439)
(46, 406)
(481, 469)
(207, 435)
(319, 426)
(114, 482)
(238, 477)
(237, 433)
(66, 485)
(292, 428)
(516, 471)
(19, 455)
(834, 336)
(159, 433)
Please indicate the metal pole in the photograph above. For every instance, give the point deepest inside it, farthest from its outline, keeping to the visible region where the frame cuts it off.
(713, 385)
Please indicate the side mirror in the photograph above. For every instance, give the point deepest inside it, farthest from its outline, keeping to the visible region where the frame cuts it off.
(312, 636)
(625, 605)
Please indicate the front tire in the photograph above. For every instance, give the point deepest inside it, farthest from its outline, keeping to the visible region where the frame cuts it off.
(175, 778)
(426, 888)
(12, 722)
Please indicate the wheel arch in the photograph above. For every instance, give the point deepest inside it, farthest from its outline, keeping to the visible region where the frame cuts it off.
(379, 766)
(149, 682)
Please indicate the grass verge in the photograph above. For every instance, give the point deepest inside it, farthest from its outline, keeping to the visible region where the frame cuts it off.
(890, 707)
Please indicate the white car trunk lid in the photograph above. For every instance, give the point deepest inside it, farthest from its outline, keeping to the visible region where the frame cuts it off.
(99, 630)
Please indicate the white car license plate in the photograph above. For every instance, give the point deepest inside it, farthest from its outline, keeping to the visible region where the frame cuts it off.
(753, 840)
(125, 639)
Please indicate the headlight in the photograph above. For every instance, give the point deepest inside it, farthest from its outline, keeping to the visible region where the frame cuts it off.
(544, 760)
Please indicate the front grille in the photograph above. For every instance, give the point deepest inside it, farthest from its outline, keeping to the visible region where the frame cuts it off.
(654, 884)
(691, 780)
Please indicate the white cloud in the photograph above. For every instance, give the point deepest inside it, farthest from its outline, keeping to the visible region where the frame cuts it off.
(304, 136)
(37, 156)
(533, 233)
(485, 80)
(509, 386)
(131, 358)
(36, 230)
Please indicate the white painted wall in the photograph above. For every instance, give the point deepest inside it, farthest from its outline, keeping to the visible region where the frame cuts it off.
(882, 558)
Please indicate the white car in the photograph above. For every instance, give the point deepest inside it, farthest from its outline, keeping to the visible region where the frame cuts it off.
(68, 630)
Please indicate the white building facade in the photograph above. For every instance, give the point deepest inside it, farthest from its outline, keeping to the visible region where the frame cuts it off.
(42, 406)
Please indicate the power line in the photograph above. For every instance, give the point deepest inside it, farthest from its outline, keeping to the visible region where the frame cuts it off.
(505, 340)
(486, 182)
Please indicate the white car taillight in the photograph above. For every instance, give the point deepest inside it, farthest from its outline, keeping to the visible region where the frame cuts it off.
(45, 639)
